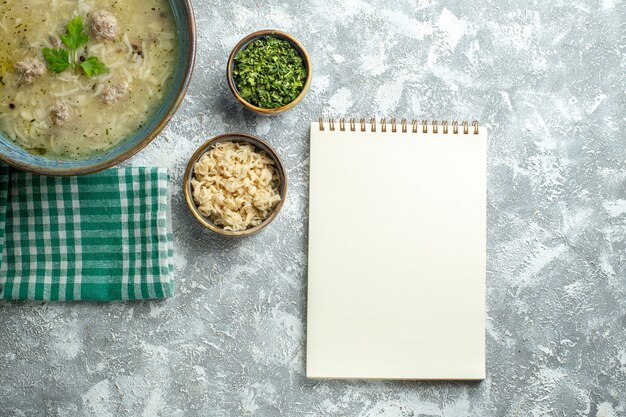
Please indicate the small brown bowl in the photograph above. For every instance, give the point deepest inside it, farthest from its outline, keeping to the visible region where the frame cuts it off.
(260, 145)
(244, 43)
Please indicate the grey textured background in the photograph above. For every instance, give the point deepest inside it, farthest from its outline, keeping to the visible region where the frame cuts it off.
(546, 77)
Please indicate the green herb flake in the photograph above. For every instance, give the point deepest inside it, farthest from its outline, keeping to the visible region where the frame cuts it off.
(269, 72)
(93, 66)
(57, 59)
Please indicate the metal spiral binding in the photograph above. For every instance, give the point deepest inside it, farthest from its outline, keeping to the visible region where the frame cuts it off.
(434, 125)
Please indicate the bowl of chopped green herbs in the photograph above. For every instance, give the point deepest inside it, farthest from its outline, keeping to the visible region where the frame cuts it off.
(269, 72)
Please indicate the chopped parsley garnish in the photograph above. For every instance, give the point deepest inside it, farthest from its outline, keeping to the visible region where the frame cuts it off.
(58, 59)
(269, 72)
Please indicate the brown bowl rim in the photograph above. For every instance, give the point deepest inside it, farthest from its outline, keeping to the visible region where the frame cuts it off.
(301, 49)
(191, 205)
(191, 58)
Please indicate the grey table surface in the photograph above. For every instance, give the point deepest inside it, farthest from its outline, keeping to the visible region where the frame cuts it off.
(547, 78)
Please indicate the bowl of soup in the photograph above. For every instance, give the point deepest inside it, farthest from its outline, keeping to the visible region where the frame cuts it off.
(85, 85)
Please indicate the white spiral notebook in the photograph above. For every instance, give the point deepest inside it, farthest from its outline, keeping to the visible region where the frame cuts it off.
(397, 250)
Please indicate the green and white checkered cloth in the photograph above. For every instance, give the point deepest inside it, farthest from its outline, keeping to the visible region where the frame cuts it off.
(99, 237)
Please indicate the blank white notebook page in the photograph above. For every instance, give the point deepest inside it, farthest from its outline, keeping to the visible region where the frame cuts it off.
(397, 253)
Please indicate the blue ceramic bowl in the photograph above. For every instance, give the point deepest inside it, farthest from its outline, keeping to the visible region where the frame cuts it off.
(186, 28)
